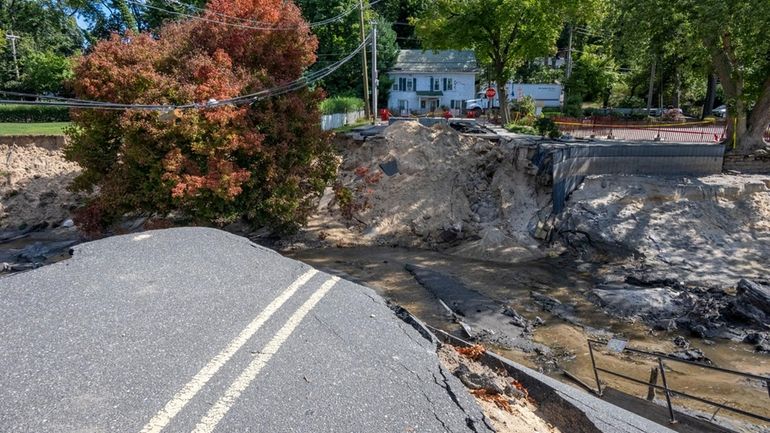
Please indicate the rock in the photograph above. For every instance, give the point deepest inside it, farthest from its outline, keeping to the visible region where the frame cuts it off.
(39, 251)
(629, 301)
(68, 223)
(650, 280)
(752, 302)
(486, 382)
(695, 355)
(516, 318)
(700, 331)
(760, 340)
(667, 325)
(681, 342)
(555, 307)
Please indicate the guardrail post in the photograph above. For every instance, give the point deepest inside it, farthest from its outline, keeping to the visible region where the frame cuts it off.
(653, 382)
(665, 389)
(596, 373)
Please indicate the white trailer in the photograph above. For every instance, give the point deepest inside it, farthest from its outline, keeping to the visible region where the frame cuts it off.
(545, 95)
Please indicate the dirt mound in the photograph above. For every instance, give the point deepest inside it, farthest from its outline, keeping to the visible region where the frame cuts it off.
(33, 186)
(710, 230)
(463, 194)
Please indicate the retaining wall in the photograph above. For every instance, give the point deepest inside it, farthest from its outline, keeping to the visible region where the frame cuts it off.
(570, 163)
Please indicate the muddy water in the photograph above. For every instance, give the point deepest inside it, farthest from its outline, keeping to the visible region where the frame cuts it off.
(382, 268)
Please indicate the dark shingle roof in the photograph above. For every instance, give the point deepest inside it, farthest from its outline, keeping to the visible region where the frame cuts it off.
(435, 61)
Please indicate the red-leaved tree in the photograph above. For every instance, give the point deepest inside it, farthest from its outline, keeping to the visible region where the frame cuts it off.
(264, 161)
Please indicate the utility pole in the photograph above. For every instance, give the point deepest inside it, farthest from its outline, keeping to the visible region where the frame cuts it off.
(651, 87)
(13, 38)
(374, 70)
(363, 60)
(569, 54)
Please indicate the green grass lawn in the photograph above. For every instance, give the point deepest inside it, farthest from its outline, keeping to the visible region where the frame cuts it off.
(52, 128)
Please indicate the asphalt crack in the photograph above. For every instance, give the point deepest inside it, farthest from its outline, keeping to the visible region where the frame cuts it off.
(470, 422)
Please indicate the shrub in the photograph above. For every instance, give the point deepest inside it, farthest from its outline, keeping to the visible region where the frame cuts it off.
(264, 161)
(521, 129)
(547, 127)
(341, 104)
(574, 106)
(32, 114)
(525, 106)
(627, 101)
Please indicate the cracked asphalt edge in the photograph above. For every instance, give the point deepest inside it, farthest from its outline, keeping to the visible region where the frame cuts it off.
(475, 419)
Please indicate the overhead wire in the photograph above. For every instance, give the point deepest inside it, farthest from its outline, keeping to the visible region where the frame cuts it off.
(297, 84)
(260, 25)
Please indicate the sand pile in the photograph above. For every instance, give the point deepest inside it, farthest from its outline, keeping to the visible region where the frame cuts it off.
(466, 195)
(713, 229)
(33, 186)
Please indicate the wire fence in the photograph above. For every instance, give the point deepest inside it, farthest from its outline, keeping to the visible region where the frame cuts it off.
(643, 130)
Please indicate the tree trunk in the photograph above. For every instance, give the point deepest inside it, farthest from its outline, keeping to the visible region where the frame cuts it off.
(753, 138)
(501, 78)
(711, 94)
(505, 110)
(677, 90)
(651, 88)
(738, 138)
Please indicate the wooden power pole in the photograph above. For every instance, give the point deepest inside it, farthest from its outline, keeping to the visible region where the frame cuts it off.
(365, 73)
(13, 38)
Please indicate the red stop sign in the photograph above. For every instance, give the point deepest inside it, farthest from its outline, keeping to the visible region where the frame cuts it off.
(491, 92)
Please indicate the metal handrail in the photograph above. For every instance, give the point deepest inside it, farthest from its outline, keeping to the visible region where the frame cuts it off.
(669, 391)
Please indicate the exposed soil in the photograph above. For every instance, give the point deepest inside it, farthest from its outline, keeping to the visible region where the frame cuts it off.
(503, 400)
(656, 261)
(653, 260)
(33, 186)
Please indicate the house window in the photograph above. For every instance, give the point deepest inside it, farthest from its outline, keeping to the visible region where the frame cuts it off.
(447, 83)
(395, 86)
(436, 85)
(409, 85)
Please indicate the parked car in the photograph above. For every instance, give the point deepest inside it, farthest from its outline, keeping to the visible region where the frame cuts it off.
(720, 111)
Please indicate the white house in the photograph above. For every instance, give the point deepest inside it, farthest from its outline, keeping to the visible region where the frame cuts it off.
(425, 81)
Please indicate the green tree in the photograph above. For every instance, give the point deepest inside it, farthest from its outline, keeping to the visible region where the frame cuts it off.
(400, 12)
(47, 35)
(45, 72)
(337, 39)
(735, 35)
(503, 33)
(593, 76)
(686, 41)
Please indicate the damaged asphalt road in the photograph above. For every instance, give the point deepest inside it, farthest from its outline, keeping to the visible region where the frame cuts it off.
(194, 329)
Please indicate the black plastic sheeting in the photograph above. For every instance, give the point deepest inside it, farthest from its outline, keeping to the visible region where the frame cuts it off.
(569, 164)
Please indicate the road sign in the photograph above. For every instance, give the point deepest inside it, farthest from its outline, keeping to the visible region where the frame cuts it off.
(491, 92)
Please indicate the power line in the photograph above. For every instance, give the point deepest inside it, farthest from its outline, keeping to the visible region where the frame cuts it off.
(238, 100)
(260, 25)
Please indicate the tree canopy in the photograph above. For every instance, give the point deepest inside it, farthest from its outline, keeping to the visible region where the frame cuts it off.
(502, 33)
(263, 161)
(46, 38)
